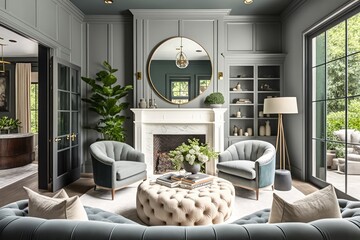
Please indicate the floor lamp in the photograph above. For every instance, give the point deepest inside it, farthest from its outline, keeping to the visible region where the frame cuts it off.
(280, 106)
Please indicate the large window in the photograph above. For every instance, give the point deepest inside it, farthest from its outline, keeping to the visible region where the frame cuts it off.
(335, 104)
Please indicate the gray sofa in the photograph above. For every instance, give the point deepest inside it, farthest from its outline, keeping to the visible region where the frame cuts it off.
(15, 225)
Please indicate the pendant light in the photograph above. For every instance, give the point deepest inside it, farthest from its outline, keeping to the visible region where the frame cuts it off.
(181, 59)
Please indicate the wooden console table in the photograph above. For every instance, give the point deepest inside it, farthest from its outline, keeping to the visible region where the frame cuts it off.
(15, 150)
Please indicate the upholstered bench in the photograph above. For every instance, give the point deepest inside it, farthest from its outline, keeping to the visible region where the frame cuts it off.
(160, 205)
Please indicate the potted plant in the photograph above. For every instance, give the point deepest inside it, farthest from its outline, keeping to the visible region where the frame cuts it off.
(105, 101)
(215, 100)
(9, 125)
(191, 156)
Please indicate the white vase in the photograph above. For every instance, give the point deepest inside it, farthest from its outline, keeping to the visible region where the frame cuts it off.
(262, 131)
(267, 128)
(142, 103)
(249, 131)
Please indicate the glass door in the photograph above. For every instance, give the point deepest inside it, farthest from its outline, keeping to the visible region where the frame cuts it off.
(66, 115)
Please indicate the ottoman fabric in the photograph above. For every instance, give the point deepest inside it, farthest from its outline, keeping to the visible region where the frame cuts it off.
(160, 205)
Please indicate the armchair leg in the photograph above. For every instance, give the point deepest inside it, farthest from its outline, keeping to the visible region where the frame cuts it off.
(113, 193)
(257, 194)
(95, 188)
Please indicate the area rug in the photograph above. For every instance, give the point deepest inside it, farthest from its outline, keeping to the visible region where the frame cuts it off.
(125, 201)
(9, 176)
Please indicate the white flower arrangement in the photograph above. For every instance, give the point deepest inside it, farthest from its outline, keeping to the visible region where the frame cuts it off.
(193, 153)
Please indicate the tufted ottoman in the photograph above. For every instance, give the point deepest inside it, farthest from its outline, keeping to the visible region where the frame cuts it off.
(160, 205)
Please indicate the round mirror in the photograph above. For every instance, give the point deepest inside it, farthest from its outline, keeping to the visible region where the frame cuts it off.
(179, 70)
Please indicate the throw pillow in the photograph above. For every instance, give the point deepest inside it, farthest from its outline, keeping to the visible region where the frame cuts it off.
(355, 137)
(318, 205)
(61, 194)
(55, 208)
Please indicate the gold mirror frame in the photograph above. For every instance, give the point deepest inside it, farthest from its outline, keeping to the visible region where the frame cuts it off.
(193, 78)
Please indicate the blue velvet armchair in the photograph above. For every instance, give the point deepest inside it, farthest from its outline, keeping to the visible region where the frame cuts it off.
(116, 164)
(248, 164)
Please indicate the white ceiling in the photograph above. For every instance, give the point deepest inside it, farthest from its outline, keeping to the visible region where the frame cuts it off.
(22, 48)
(171, 47)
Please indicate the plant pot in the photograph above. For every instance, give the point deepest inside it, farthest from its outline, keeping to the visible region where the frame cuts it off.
(215, 105)
(329, 159)
(192, 168)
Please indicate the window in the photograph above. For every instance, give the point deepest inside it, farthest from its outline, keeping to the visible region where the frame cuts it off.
(180, 91)
(34, 113)
(335, 104)
(203, 83)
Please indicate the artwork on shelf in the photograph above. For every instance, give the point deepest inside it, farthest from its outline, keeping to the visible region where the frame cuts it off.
(4, 92)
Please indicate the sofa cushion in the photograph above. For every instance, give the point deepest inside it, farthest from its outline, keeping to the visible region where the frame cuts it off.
(55, 208)
(318, 205)
(125, 169)
(240, 168)
(355, 137)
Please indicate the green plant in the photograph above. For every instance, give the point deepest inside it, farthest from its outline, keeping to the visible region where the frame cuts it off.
(105, 101)
(9, 124)
(193, 153)
(340, 151)
(214, 98)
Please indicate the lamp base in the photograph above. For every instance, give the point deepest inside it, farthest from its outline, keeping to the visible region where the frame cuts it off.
(283, 181)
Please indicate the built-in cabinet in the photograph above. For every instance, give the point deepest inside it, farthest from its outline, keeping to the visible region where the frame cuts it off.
(251, 79)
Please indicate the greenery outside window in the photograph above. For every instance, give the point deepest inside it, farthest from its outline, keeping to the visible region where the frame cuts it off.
(334, 119)
(34, 110)
(180, 91)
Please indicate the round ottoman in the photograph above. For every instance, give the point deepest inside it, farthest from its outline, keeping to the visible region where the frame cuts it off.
(160, 205)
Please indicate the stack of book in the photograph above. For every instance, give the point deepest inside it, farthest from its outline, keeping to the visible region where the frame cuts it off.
(196, 180)
(167, 180)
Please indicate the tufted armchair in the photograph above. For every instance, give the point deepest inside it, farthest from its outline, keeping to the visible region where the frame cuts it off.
(249, 164)
(116, 164)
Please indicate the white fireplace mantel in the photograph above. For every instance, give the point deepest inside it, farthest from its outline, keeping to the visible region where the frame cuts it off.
(177, 121)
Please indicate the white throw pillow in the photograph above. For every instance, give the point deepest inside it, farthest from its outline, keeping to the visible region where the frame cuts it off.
(318, 205)
(58, 207)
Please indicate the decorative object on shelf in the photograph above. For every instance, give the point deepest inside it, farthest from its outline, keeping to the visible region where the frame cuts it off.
(142, 103)
(238, 87)
(181, 58)
(215, 100)
(9, 125)
(240, 132)
(246, 134)
(105, 101)
(152, 103)
(262, 131)
(238, 114)
(267, 128)
(242, 101)
(265, 87)
(249, 131)
(280, 106)
(235, 131)
(261, 114)
(192, 153)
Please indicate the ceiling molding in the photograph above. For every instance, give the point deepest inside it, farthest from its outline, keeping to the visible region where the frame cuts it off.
(252, 18)
(180, 13)
(292, 8)
(107, 18)
(72, 9)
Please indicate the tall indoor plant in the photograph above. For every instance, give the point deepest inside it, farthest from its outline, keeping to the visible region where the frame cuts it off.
(105, 101)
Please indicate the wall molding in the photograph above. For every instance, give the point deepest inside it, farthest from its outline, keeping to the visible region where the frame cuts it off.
(107, 19)
(293, 6)
(252, 18)
(180, 14)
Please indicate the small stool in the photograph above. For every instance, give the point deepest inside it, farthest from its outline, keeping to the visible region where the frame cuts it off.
(283, 180)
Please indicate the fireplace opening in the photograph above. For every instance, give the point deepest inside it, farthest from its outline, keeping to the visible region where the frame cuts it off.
(163, 144)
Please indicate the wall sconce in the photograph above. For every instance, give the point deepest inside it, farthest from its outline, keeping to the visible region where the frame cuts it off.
(2, 62)
(220, 75)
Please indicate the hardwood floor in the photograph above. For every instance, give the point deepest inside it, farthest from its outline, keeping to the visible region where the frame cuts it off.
(15, 191)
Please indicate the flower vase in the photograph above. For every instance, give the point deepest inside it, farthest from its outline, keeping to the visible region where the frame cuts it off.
(267, 128)
(192, 168)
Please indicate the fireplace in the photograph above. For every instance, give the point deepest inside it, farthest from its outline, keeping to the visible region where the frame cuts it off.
(208, 122)
(163, 143)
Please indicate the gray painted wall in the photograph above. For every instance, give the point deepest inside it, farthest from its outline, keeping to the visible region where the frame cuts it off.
(307, 15)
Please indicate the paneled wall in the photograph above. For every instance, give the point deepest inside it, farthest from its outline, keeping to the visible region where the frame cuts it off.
(108, 38)
(53, 23)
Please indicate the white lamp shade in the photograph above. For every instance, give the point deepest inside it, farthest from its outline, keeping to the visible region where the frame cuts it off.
(283, 105)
